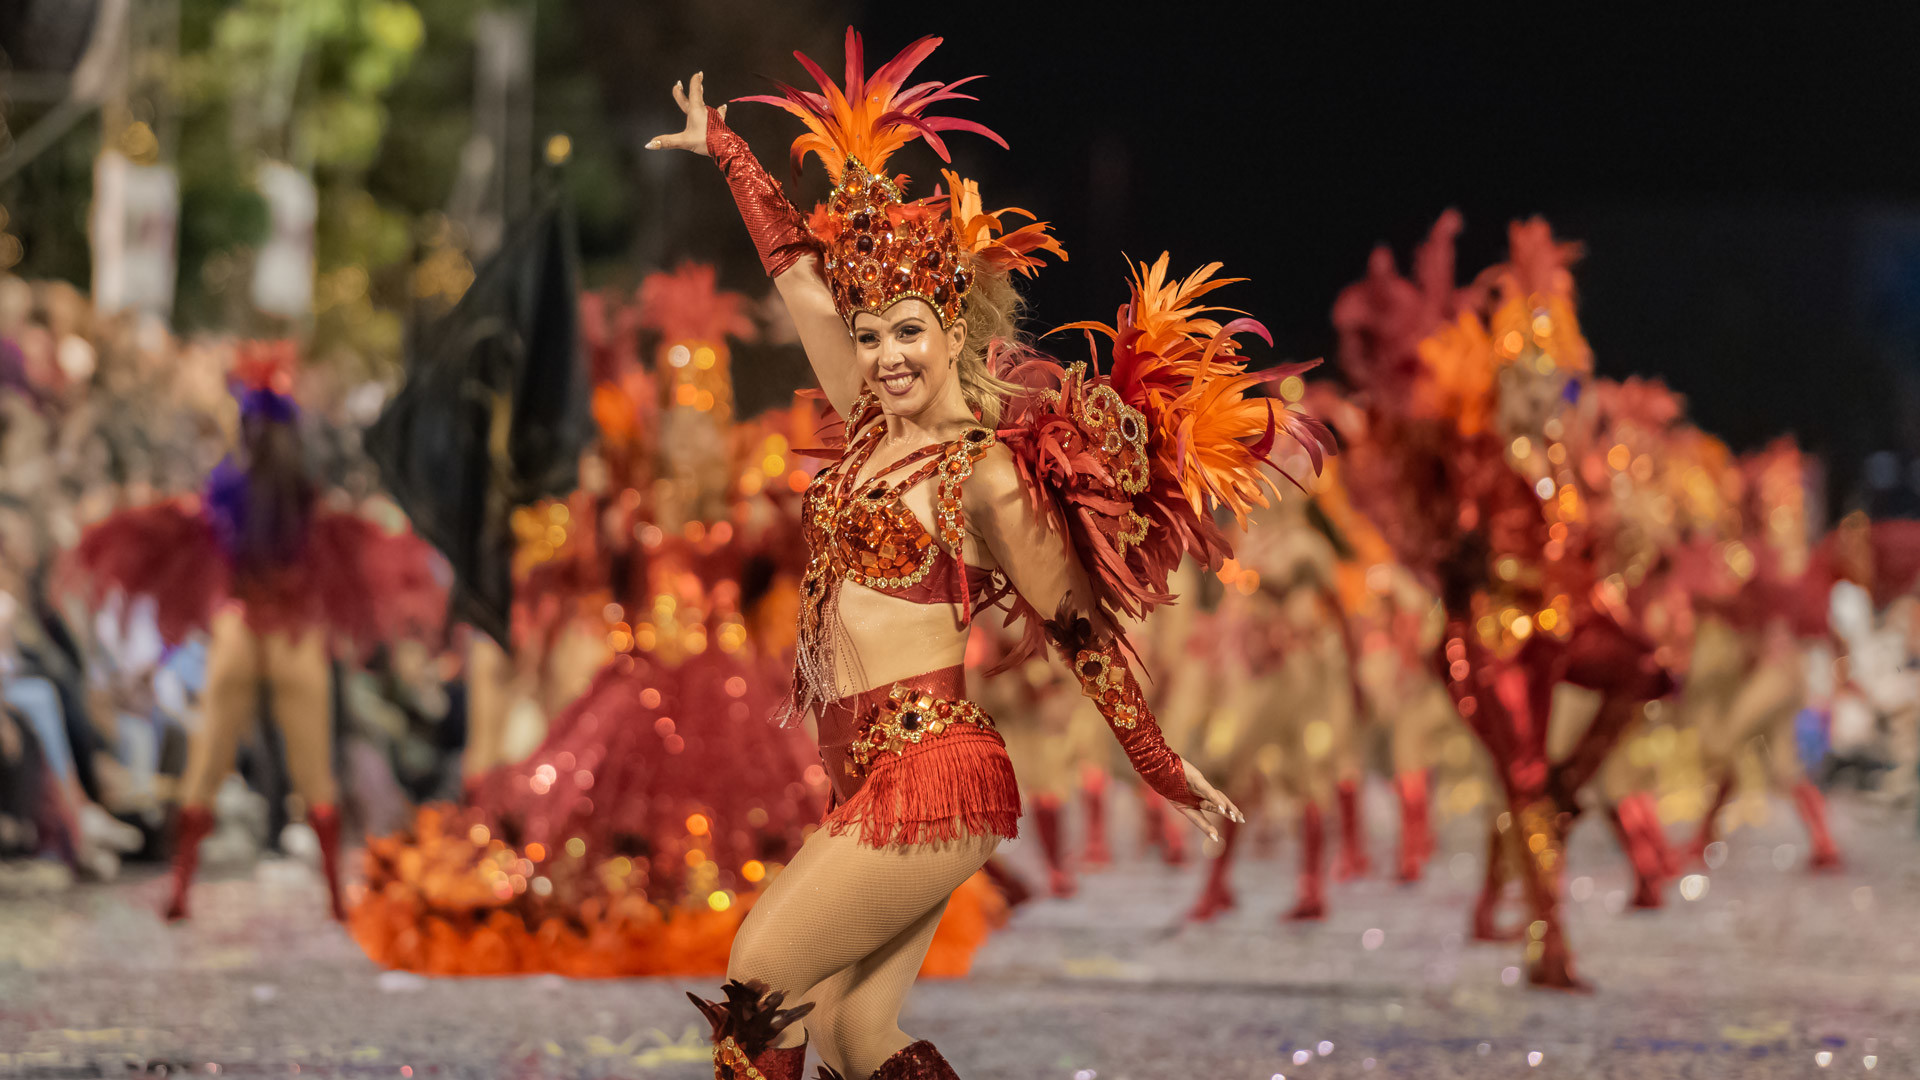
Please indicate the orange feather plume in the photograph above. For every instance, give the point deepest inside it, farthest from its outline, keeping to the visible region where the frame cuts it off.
(984, 235)
(1182, 368)
(873, 115)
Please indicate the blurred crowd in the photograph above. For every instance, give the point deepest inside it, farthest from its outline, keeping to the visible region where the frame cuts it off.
(100, 414)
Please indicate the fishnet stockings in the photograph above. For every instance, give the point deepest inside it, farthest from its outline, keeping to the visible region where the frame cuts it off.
(846, 927)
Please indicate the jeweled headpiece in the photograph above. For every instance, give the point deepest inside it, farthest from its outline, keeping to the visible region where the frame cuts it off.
(262, 379)
(879, 247)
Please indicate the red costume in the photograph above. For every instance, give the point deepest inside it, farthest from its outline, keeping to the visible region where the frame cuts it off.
(1465, 463)
(1126, 467)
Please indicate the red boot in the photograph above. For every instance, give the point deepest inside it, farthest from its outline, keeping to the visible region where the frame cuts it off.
(191, 826)
(1708, 834)
(919, 1061)
(1654, 835)
(1217, 895)
(1046, 823)
(1416, 834)
(1313, 848)
(1813, 811)
(1648, 870)
(1093, 793)
(747, 1021)
(1353, 861)
(324, 819)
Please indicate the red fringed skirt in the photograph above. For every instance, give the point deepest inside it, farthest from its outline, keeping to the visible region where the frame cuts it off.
(914, 762)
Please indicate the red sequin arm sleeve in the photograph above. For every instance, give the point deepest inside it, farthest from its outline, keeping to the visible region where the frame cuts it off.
(779, 232)
(1105, 677)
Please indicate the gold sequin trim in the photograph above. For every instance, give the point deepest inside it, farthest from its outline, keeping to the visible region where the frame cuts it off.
(908, 717)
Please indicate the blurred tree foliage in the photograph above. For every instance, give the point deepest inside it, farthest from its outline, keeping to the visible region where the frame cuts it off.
(305, 82)
(374, 98)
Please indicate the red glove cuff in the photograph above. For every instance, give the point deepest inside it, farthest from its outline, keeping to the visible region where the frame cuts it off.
(779, 232)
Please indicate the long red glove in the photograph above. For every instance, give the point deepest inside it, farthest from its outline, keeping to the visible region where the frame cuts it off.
(1105, 677)
(779, 231)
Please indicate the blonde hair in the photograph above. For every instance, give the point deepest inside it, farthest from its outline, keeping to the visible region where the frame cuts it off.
(992, 310)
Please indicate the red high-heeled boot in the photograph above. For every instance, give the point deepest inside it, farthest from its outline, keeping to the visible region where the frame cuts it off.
(190, 826)
(747, 1021)
(1046, 824)
(1217, 895)
(1312, 903)
(1654, 835)
(324, 820)
(918, 1061)
(1353, 861)
(1095, 853)
(1416, 834)
(1624, 817)
(1813, 811)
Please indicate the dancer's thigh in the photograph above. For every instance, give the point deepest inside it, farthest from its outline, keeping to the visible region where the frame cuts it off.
(228, 707)
(840, 901)
(298, 672)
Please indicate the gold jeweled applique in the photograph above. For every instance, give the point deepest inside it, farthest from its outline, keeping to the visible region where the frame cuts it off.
(908, 717)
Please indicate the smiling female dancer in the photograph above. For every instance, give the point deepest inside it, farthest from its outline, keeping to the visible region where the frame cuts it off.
(975, 472)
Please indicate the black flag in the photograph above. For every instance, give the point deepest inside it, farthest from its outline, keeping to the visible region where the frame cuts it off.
(495, 411)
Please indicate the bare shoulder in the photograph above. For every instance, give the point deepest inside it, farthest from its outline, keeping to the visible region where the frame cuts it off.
(994, 481)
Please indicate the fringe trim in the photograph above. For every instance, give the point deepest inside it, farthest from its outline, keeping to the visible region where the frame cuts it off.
(959, 784)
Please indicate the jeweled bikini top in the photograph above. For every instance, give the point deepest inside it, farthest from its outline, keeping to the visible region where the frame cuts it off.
(861, 531)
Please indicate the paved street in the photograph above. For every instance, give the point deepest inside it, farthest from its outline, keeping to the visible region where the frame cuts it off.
(1770, 972)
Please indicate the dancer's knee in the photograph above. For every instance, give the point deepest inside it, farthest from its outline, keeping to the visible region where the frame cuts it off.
(752, 962)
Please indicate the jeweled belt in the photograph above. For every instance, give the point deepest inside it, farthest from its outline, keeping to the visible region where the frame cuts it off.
(909, 717)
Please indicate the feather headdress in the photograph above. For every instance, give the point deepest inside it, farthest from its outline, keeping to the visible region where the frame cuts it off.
(880, 248)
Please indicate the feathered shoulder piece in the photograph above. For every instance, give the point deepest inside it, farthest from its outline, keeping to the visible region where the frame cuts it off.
(1133, 463)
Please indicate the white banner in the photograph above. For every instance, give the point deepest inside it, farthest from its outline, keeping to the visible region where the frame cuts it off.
(283, 268)
(136, 210)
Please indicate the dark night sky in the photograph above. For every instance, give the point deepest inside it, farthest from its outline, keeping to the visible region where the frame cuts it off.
(1730, 167)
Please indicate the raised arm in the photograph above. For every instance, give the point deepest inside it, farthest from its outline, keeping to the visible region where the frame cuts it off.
(1045, 572)
(787, 250)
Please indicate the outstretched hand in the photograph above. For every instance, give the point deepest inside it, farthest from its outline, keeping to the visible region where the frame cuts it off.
(692, 101)
(1210, 800)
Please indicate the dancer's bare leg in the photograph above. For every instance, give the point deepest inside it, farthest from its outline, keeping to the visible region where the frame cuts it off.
(855, 1023)
(840, 903)
(490, 679)
(298, 677)
(229, 705)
